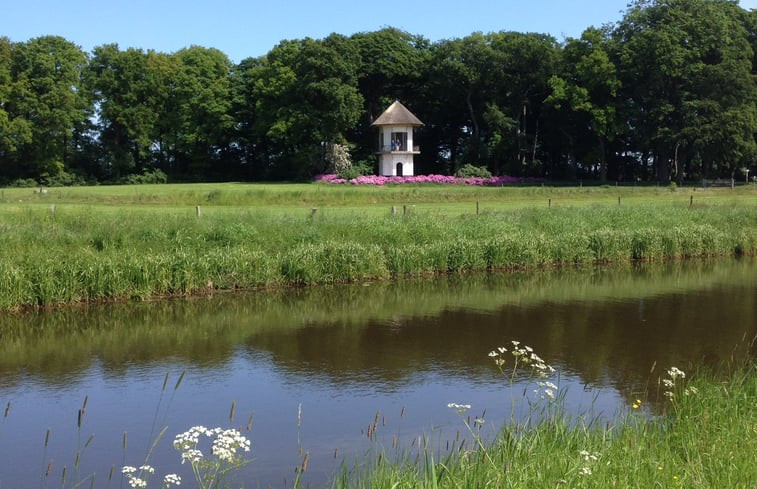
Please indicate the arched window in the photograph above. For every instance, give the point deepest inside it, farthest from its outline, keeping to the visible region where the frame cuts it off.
(399, 169)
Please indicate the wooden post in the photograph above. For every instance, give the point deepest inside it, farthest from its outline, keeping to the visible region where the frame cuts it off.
(733, 183)
(198, 211)
(691, 200)
(394, 209)
(618, 199)
(313, 211)
(404, 209)
(52, 209)
(549, 204)
(478, 207)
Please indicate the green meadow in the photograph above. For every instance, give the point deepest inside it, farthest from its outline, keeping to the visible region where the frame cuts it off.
(82, 244)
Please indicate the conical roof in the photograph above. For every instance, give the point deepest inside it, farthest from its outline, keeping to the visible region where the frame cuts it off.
(397, 114)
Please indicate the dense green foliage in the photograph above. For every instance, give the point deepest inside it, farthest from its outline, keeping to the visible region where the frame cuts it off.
(74, 253)
(668, 93)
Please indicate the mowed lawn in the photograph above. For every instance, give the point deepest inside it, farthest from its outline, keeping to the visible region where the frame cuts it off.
(300, 199)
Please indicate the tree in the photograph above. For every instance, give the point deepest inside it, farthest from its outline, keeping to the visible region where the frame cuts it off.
(43, 105)
(130, 96)
(15, 131)
(588, 87)
(686, 66)
(306, 98)
(391, 67)
(200, 129)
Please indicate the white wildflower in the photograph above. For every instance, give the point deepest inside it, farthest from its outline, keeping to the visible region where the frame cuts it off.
(147, 468)
(585, 471)
(675, 372)
(172, 479)
(137, 482)
(191, 455)
(460, 408)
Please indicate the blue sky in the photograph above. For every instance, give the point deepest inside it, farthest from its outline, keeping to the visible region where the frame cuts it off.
(251, 28)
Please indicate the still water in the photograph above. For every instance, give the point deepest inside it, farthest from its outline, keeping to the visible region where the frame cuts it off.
(311, 369)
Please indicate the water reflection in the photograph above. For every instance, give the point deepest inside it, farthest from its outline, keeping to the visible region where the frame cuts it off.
(345, 352)
(599, 322)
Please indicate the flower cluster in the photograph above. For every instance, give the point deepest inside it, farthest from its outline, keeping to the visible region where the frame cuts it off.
(439, 179)
(138, 476)
(225, 445)
(525, 356)
(588, 459)
(460, 408)
(670, 383)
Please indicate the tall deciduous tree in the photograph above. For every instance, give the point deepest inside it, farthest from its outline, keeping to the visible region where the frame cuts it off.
(686, 65)
(588, 87)
(202, 123)
(45, 101)
(15, 131)
(306, 97)
(131, 97)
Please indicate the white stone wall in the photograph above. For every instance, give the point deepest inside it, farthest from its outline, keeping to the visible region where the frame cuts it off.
(388, 164)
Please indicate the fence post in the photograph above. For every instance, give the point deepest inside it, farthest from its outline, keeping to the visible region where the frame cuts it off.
(394, 209)
(313, 211)
(52, 209)
(198, 211)
(691, 200)
(478, 208)
(549, 204)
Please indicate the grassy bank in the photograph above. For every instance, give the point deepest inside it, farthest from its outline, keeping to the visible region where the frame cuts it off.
(703, 437)
(103, 251)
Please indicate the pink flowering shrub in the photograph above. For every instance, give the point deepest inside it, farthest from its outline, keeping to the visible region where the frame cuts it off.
(379, 180)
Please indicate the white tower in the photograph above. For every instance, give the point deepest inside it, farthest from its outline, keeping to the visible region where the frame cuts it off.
(396, 148)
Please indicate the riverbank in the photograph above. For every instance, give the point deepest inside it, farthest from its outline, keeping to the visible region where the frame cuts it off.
(695, 436)
(58, 250)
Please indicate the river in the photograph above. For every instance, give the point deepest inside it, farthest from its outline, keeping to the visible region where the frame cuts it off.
(313, 371)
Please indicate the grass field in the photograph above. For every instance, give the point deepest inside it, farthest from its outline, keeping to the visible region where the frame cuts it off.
(102, 243)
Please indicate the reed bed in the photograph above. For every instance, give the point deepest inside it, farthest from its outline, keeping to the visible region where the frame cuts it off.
(93, 253)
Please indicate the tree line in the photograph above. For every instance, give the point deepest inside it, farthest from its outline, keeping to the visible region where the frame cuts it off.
(668, 93)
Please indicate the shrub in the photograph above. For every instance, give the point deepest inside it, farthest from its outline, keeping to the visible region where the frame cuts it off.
(155, 176)
(471, 171)
(359, 169)
(24, 183)
(64, 179)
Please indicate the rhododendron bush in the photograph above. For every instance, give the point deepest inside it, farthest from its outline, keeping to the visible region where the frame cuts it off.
(380, 180)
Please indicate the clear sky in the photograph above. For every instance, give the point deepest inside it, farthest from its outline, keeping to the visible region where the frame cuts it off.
(251, 28)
